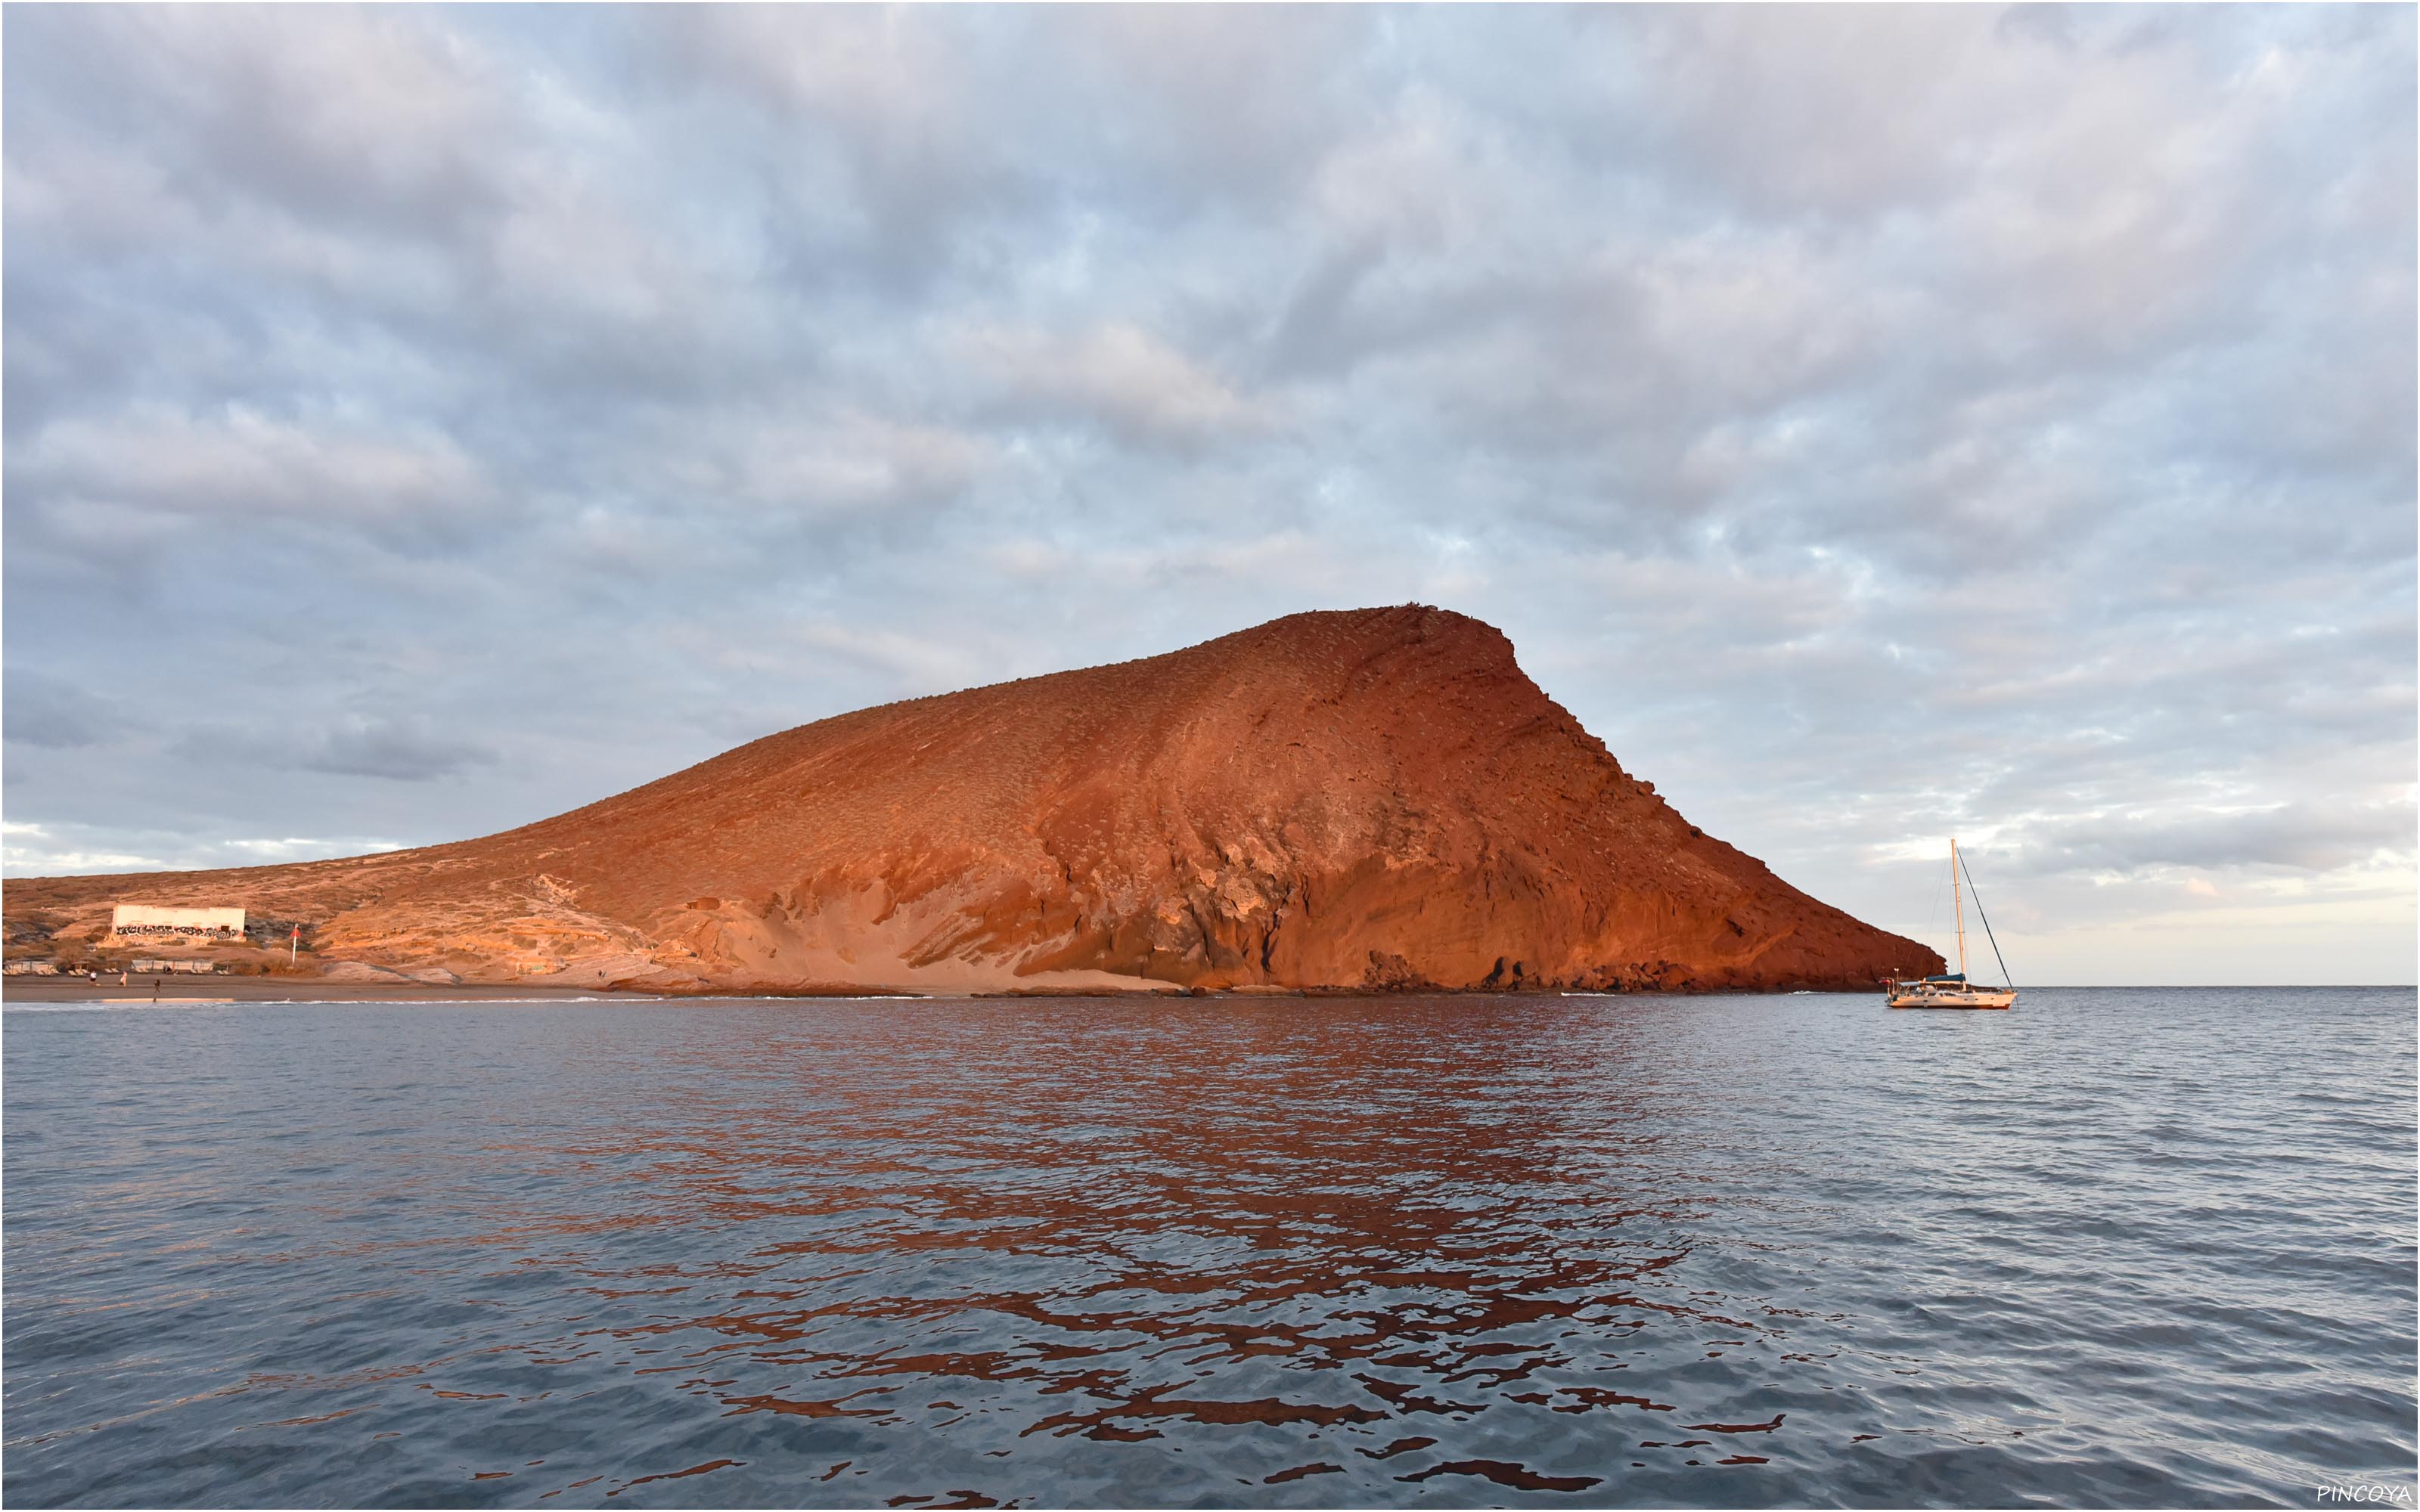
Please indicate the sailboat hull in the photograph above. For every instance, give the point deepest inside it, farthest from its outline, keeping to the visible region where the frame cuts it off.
(1978, 997)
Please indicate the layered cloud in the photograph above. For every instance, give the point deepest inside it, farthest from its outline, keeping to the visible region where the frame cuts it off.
(1876, 423)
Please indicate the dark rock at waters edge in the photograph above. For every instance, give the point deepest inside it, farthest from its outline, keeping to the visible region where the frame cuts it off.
(1369, 799)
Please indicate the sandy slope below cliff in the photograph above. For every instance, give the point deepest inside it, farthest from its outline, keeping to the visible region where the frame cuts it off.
(1374, 799)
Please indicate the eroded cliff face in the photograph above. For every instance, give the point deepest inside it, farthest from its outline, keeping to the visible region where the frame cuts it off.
(1373, 798)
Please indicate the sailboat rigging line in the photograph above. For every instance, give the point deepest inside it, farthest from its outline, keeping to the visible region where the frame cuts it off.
(1987, 923)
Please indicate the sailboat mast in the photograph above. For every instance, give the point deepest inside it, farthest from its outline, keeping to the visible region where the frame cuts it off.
(1958, 902)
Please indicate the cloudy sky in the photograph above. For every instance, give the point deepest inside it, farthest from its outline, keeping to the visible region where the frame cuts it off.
(1877, 425)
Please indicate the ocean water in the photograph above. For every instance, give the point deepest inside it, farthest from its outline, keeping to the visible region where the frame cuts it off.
(2115, 1248)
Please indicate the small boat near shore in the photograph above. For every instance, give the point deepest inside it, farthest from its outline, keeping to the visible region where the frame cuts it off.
(1952, 990)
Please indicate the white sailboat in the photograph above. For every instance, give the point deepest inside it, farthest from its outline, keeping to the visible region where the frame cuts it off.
(1956, 990)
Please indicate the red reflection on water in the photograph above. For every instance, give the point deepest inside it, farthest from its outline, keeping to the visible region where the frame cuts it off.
(1520, 1478)
(1129, 1209)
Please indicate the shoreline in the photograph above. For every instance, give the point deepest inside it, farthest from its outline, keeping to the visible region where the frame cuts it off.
(136, 993)
(204, 990)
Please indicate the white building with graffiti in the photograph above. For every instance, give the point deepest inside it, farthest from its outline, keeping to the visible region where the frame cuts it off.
(139, 921)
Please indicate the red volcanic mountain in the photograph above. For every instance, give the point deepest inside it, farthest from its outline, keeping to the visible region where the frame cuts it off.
(1371, 799)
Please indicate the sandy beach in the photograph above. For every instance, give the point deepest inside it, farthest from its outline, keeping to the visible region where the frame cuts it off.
(290, 990)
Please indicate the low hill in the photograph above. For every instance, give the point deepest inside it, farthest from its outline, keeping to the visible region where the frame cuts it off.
(1366, 799)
